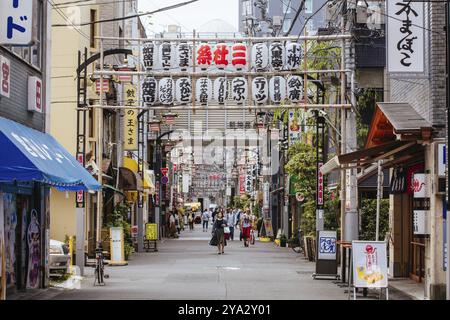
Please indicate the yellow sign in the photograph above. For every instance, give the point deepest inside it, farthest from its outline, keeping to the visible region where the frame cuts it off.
(151, 231)
(131, 122)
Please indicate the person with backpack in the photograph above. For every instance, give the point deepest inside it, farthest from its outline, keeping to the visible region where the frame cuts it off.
(205, 219)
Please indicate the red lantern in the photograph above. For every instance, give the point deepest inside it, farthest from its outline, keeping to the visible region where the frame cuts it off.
(239, 59)
(170, 118)
(221, 55)
(155, 125)
(204, 56)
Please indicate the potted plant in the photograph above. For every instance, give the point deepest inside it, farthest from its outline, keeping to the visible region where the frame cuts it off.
(283, 240)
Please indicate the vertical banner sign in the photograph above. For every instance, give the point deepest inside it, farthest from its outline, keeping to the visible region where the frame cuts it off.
(130, 123)
(34, 94)
(80, 194)
(405, 38)
(294, 127)
(5, 77)
(16, 22)
(319, 185)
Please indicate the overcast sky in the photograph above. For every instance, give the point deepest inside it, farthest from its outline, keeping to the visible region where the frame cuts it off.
(191, 16)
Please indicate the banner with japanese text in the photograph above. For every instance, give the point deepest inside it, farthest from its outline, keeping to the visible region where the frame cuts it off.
(130, 122)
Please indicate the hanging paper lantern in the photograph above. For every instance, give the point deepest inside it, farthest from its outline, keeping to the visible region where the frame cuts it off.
(203, 90)
(220, 90)
(277, 89)
(149, 90)
(221, 53)
(239, 56)
(293, 55)
(183, 90)
(295, 89)
(276, 55)
(239, 89)
(165, 55)
(148, 56)
(204, 56)
(260, 56)
(166, 90)
(260, 90)
(154, 125)
(183, 56)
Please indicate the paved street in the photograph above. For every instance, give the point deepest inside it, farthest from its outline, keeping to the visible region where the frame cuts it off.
(188, 268)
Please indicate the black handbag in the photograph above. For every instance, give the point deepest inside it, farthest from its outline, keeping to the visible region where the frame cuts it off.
(213, 241)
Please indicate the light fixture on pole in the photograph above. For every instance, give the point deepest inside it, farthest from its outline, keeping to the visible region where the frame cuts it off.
(154, 125)
(169, 117)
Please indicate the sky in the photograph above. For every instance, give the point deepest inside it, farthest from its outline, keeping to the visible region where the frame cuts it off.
(191, 16)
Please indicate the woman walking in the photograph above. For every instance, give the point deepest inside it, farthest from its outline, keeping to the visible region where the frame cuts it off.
(218, 228)
(246, 225)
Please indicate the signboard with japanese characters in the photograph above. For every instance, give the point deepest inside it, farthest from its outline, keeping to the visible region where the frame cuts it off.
(166, 91)
(294, 89)
(203, 90)
(277, 89)
(260, 90)
(239, 56)
(293, 55)
(16, 22)
(327, 245)
(220, 90)
(276, 55)
(405, 36)
(148, 56)
(294, 127)
(35, 91)
(165, 55)
(150, 91)
(370, 264)
(260, 56)
(319, 185)
(204, 56)
(442, 159)
(183, 56)
(239, 89)
(5, 77)
(183, 90)
(130, 121)
(221, 55)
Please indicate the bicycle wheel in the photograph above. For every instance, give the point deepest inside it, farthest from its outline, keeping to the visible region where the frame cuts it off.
(101, 276)
(96, 275)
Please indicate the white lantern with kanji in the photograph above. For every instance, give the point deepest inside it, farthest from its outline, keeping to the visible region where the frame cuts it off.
(221, 55)
(260, 56)
(183, 56)
(260, 90)
(204, 56)
(166, 91)
(239, 56)
(220, 90)
(148, 56)
(277, 55)
(149, 91)
(203, 90)
(293, 55)
(277, 89)
(183, 90)
(294, 89)
(165, 55)
(239, 90)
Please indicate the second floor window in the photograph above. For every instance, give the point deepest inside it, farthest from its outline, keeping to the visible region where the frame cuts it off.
(247, 7)
(308, 6)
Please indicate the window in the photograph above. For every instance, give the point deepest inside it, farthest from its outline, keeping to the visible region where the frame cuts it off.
(287, 6)
(93, 30)
(247, 7)
(308, 6)
(33, 54)
(286, 25)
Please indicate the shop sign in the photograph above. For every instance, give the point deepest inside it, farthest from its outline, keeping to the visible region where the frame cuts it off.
(148, 56)
(166, 91)
(277, 89)
(105, 85)
(294, 89)
(239, 89)
(421, 185)
(294, 127)
(5, 77)
(203, 90)
(220, 90)
(369, 264)
(165, 55)
(204, 56)
(405, 43)
(319, 185)
(183, 56)
(221, 53)
(130, 121)
(239, 56)
(80, 194)
(117, 245)
(34, 94)
(420, 219)
(398, 181)
(151, 231)
(266, 194)
(327, 245)
(149, 90)
(242, 184)
(277, 55)
(442, 159)
(183, 90)
(293, 55)
(16, 22)
(260, 56)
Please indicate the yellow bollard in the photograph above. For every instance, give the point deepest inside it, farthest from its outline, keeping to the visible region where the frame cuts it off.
(70, 254)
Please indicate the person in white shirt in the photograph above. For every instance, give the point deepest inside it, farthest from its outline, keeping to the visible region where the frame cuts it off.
(205, 219)
(232, 221)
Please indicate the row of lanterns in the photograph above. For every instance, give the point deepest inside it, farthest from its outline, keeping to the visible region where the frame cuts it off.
(276, 56)
(168, 91)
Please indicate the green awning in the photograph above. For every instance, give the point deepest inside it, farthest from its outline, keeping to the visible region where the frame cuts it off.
(107, 186)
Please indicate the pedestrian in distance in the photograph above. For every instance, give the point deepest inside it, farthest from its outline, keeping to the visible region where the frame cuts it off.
(213, 215)
(205, 219)
(172, 227)
(232, 221)
(246, 225)
(191, 221)
(177, 222)
(219, 231)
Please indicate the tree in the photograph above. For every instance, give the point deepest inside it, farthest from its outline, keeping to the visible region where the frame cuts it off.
(368, 219)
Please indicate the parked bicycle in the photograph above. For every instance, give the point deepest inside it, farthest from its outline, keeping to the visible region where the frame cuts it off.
(100, 275)
(297, 242)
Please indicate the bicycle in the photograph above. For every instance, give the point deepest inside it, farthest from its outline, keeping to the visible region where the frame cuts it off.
(99, 274)
(297, 242)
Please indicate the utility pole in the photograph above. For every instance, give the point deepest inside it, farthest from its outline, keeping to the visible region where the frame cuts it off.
(100, 149)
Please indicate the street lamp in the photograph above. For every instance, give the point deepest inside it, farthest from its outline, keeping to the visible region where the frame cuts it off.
(169, 118)
(154, 125)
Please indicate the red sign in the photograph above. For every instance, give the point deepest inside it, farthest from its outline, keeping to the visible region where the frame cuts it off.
(174, 167)
(239, 56)
(34, 94)
(80, 194)
(242, 184)
(124, 78)
(320, 186)
(105, 85)
(157, 187)
(164, 171)
(204, 56)
(5, 76)
(221, 55)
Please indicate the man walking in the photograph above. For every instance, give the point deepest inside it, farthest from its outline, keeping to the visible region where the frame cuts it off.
(205, 219)
(232, 220)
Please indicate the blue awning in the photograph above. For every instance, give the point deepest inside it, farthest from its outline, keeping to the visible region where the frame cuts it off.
(29, 155)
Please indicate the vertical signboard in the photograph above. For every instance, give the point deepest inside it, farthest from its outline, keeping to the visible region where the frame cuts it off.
(369, 264)
(405, 40)
(319, 185)
(16, 22)
(5, 77)
(421, 204)
(131, 123)
(34, 94)
(117, 246)
(80, 194)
